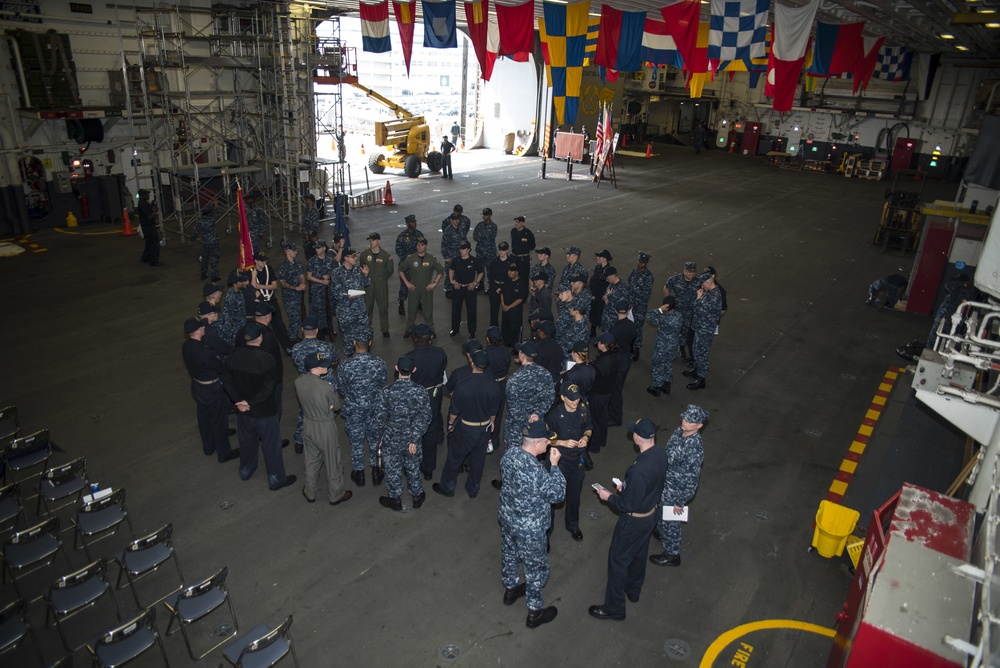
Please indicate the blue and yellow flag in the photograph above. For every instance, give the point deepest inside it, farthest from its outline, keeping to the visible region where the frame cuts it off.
(564, 33)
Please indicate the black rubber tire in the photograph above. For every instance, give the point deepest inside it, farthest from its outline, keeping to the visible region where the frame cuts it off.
(435, 161)
(412, 166)
(373, 163)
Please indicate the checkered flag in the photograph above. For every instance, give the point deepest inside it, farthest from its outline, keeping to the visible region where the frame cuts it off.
(893, 63)
(737, 30)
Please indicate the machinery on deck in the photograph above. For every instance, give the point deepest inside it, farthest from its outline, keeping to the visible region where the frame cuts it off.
(405, 140)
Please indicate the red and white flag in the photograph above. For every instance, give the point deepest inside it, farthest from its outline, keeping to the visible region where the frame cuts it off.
(792, 27)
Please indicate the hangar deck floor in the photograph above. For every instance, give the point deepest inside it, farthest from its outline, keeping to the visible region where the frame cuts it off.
(91, 350)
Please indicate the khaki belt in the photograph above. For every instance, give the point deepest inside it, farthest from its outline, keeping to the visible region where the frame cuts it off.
(646, 514)
(522, 254)
(206, 382)
(476, 424)
(500, 379)
(434, 388)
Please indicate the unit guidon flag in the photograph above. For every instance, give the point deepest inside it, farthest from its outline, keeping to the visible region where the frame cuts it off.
(737, 29)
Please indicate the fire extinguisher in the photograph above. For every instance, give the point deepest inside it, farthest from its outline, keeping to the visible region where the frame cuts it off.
(84, 207)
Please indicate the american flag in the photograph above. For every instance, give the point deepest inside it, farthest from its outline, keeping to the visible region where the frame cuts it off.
(609, 130)
(599, 134)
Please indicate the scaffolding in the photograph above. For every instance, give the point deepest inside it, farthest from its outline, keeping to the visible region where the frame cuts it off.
(218, 97)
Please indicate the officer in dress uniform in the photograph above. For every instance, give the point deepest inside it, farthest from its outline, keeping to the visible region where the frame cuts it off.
(293, 284)
(319, 403)
(432, 362)
(640, 287)
(464, 276)
(205, 369)
(529, 490)
(403, 413)
(360, 379)
(704, 321)
(668, 322)
(453, 233)
(685, 454)
(497, 273)
(522, 242)
(624, 332)
(380, 267)
(513, 294)
(471, 420)
(570, 421)
(636, 505)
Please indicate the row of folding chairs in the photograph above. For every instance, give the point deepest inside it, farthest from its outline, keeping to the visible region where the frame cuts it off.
(78, 593)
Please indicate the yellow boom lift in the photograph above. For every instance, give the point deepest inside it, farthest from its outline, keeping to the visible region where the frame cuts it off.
(405, 140)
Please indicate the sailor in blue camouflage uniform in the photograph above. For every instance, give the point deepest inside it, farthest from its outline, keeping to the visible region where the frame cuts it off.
(205, 228)
(402, 414)
(406, 245)
(485, 236)
(351, 310)
(310, 218)
(640, 288)
(668, 322)
(293, 284)
(573, 267)
(685, 454)
(544, 268)
(529, 390)
(563, 297)
(582, 297)
(574, 330)
(234, 308)
(529, 490)
(615, 291)
(684, 288)
(453, 233)
(465, 223)
(257, 221)
(892, 285)
(307, 346)
(707, 311)
(319, 270)
(361, 378)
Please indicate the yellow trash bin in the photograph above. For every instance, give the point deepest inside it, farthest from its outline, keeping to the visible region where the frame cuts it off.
(834, 524)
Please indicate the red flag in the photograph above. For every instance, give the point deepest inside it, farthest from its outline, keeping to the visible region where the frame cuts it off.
(867, 62)
(405, 13)
(682, 19)
(246, 247)
(477, 16)
(517, 27)
(607, 38)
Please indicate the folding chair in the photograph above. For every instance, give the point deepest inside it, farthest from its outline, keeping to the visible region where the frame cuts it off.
(14, 627)
(76, 592)
(196, 601)
(144, 556)
(128, 641)
(25, 453)
(101, 518)
(60, 483)
(65, 662)
(10, 427)
(262, 646)
(10, 507)
(31, 549)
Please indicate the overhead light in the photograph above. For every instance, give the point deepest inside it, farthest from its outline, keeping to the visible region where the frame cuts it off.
(961, 48)
(946, 35)
(993, 25)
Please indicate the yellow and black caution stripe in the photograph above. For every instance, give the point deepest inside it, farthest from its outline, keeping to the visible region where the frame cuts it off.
(14, 246)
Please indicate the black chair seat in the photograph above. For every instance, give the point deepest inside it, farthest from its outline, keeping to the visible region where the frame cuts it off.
(54, 492)
(101, 520)
(191, 609)
(125, 649)
(9, 509)
(28, 459)
(267, 656)
(19, 555)
(11, 633)
(8, 430)
(66, 600)
(141, 561)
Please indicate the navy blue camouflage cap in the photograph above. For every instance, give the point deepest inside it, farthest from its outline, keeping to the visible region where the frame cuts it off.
(570, 390)
(252, 331)
(410, 218)
(487, 211)
(262, 308)
(690, 266)
(621, 306)
(349, 252)
(310, 323)
(503, 245)
(421, 330)
(289, 246)
(205, 308)
(480, 359)
(210, 289)
(236, 276)
(319, 244)
(538, 429)
(192, 325)
(704, 276)
(564, 287)
(375, 235)
(694, 414)
(578, 279)
(607, 338)
(363, 335)
(573, 250)
(494, 333)
(405, 364)
(338, 236)
(644, 428)
(471, 346)
(317, 360)
(529, 348)
(670, 301)
(458, 208)
(644, 258)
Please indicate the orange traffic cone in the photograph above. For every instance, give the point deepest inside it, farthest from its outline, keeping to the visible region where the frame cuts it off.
(624, 140)
(388, 200)
(649, 150)
(362, 149)
(127, 230)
